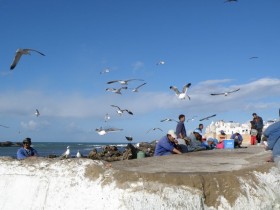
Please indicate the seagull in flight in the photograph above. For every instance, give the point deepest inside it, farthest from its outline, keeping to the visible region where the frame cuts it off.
(254, 57)
(225, 93)
(21, 52)
(107, 117)
(4, 126)
(183, 94)
(160, 63)
(114, 90)
(66, 153)
(207, 118)
(106, 70)
(154, 129)
(228, 1)
(129, 138)
(191, 119)
(37, 113)
(121, 111)
(123, 82)
(136, 89)
(168, 120)
(102, 131)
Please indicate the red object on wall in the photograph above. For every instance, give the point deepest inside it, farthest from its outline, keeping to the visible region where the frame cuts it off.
(253, 140)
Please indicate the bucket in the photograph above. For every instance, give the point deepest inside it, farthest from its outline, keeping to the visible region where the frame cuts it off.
(140, 154)
(229, 144)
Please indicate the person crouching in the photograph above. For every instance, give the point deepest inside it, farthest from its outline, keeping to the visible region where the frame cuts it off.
(167, 145)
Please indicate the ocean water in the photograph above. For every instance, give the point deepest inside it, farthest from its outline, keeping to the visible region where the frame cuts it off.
(57, 148)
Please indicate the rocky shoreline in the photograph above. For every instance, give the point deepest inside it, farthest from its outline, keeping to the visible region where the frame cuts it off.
(10, 144)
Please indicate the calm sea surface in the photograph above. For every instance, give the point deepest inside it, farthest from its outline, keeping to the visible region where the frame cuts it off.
(57, 148)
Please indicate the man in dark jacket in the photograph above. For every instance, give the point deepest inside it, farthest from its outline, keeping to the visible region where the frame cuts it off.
(258, 124)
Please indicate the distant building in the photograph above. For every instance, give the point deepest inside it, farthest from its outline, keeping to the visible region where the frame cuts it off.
(231, 127)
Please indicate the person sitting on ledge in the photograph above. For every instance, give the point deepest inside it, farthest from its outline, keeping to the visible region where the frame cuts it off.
(26, 150)
(196, 142)
(166, 145)
(237, 139)
(272, 134)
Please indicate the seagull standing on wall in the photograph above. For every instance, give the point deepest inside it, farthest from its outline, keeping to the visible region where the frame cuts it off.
(66, 153)
(21, 52)
(183, 94)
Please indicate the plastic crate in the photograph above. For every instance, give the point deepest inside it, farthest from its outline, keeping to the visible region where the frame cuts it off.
(229, 144)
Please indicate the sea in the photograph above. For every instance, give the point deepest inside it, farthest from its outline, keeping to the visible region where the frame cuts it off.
(57, 148)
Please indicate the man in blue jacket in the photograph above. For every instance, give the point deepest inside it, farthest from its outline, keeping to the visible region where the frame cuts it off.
(272, 133)
(26, 150)
(166, 145)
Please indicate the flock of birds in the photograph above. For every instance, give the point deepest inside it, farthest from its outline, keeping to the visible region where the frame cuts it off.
(120, 111)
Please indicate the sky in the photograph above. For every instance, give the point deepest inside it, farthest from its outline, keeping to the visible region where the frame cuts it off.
(206, 43)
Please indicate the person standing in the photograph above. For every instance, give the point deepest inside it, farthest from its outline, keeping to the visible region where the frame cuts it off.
(200, 127)
(26, 150)
(166, 145)
(180, 128)
(258, 124)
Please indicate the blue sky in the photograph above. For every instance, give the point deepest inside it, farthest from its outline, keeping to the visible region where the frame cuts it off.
(207, 43)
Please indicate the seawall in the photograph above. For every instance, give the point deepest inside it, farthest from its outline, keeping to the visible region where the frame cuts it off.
(217, 179)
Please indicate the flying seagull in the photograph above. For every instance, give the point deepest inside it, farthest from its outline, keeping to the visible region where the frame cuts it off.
(21, 52)
(4, 126)
(66, 153)
(227, 1)
(207, 118)
(78, 155)
(102, 131)
(154, 129)
(123, 82)
(160, 63)
(106, 70)
(168, 120)
(254, 57)
(107, 117)
(225, 93)
(129, 138)
(121, 111)
(183, 94)
(136, 89)
(37, 113)
(191, 119)
(114, 90)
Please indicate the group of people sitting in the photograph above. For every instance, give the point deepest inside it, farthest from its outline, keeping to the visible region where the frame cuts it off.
(177, 142)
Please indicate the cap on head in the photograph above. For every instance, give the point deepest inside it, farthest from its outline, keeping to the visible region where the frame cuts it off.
(198, 131)
(26, 140)
(222, 132)
(172, 133)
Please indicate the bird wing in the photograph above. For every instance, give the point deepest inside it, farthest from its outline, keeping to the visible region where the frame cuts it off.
(16, 60)
(206, 118)
(234, 90)
(113, 81)
(129, 112)
(116, 107)
(129, 138)
(35, 51)
(175, 89)
(216, 94)
(133, 79)
(140, 85)
(4, 126)
(186, 87)
(122, 88)
(113, 129)
(157, 129)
